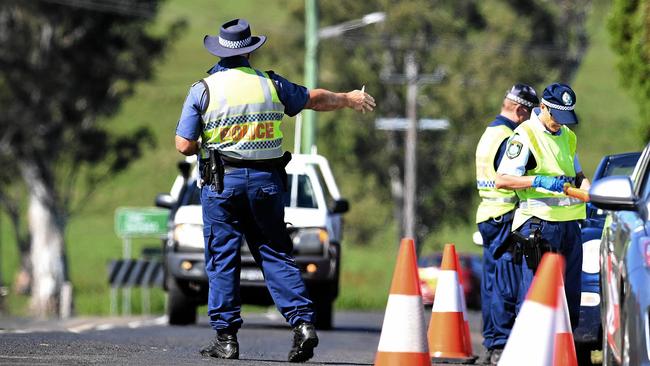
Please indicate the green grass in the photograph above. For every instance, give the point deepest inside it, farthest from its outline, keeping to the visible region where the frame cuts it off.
(366, 269)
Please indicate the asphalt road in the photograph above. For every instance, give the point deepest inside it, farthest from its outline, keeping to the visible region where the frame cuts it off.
(265, 339)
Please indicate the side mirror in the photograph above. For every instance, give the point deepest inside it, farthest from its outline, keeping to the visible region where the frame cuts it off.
(477, 238)
(165, 200)
(185, 168)
(340, 206)
(614, 193)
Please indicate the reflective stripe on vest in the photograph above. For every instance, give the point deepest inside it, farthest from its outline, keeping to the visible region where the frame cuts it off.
(244, 115)
(495, 202)
(554, 155)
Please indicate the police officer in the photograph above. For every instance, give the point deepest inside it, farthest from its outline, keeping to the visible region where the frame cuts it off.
(540, 158)
(501, 276)
(236, 112)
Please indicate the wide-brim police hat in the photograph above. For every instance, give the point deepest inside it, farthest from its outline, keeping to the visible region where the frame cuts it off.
(234, 39)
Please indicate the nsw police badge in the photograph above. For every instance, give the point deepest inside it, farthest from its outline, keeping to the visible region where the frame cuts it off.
(514, 149)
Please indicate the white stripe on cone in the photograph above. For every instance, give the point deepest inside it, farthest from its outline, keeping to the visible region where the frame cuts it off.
(562, 320)
(532, 338)
(403, 329)
(448, 297)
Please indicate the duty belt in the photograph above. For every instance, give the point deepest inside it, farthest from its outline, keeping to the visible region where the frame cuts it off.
(513, 199)
(548, 201)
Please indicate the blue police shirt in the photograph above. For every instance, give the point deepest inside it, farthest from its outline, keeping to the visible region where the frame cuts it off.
(499, 121)
(292, 96)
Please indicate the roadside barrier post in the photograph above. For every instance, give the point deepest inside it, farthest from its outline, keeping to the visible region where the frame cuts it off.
(130, 223)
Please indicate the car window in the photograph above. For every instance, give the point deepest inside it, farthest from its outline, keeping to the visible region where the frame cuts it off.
(329, 200)
(619, 170)
(306, 196)
(641, 173)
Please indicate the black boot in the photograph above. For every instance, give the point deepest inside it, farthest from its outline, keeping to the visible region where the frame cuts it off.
(304, 342)
(225, 345)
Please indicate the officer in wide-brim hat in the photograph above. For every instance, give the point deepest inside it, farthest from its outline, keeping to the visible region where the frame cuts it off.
(236, 112)
(540, 159)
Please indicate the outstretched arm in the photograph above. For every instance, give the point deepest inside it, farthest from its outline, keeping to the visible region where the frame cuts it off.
(325, 100)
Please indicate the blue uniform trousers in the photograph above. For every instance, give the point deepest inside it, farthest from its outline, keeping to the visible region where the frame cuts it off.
(499, 284)
(565, 237)
(251, 205)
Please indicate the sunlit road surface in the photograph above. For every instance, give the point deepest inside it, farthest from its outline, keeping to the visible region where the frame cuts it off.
(264, 339)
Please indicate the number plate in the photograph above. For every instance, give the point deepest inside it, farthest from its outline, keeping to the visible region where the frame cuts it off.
(251, 274)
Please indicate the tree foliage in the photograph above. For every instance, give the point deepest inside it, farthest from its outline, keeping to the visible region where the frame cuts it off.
(64, 66)
(480, 48)
(629, 25)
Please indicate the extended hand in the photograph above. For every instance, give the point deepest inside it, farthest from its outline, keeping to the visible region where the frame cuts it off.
(555, 184)
(360, 101)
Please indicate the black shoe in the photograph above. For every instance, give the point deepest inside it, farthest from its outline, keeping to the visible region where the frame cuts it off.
(485, 357)
(223, 346)
(304, 342)
(496, 355)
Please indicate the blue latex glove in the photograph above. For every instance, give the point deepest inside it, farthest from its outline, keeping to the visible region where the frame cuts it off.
(555, 184)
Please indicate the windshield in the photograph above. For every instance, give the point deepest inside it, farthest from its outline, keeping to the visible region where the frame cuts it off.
(305, 195)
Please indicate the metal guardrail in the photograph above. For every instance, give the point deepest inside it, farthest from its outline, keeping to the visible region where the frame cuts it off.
(126, 274)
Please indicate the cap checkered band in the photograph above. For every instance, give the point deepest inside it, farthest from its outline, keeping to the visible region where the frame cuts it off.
(519, 100)
(557, 106)
(235, 44)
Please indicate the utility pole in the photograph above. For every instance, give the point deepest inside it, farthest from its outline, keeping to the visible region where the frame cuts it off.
(412, 78)
(410, 174)
(311, 73)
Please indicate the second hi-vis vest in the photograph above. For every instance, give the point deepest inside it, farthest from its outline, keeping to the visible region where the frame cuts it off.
(494, 202)
(554, 155)
(243, 116)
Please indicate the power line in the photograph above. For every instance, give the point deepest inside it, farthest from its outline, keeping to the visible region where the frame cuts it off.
(123, 7)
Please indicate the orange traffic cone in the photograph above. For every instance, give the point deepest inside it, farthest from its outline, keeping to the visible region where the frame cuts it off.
(403, 339)
(565, 349)
(461, 279)
(531, 341)
(448, 334)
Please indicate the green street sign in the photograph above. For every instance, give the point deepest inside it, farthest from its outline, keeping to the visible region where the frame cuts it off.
(140, 221)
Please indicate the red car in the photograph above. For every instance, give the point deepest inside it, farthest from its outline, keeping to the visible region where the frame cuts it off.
(471, 267)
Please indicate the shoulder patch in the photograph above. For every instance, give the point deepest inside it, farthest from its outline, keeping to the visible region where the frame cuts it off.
(514, 149)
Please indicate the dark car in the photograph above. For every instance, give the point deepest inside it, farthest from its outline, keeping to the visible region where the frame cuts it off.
(588, 335)
(625, 264)
(471, 268)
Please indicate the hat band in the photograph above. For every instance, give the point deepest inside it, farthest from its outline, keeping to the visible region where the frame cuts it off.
(557, 106)
(235, 44)
(519, 100)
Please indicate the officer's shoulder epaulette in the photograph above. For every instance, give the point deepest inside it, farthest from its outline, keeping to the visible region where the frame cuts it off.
(270, 72)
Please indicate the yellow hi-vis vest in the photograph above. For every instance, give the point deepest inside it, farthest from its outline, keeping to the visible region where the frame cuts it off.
(554, 155)
(494, 202)
(243, 116)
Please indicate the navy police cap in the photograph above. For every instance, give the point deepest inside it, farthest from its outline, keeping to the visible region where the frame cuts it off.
(234, 39)
(523, 94)
(560, 100)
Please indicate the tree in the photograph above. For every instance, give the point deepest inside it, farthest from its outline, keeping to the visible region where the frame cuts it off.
(481, 48)
(64, 66)
(629, 25)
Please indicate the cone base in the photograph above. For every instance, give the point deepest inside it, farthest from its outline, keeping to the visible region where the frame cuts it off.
(402, 358)
(462, 360)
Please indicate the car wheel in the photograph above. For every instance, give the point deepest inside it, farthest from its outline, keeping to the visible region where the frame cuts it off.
(181, 309)
(324, 313)
(583, 353)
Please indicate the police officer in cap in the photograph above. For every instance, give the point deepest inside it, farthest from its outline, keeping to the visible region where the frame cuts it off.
(236, 112)
(500, 279)
(540, 159)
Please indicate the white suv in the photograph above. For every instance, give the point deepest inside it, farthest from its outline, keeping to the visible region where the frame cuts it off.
(313, 209)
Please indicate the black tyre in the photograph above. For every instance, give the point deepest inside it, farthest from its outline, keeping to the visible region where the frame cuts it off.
(181, 309)
(324, 313)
